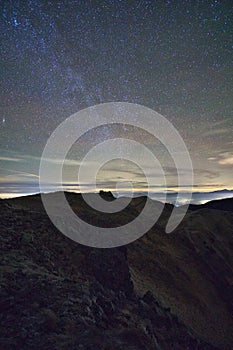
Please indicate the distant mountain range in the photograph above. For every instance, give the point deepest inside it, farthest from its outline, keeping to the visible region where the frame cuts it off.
(197, 197)
(220, 204)
(11, 190)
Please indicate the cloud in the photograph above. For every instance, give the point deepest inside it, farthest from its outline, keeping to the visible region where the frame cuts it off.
(19, 177)
(226, 158)
(209, 174)
(214, 132)
(29, 158)
(10, 159)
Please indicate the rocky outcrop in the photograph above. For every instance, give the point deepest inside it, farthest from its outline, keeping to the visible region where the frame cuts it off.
(110, 268)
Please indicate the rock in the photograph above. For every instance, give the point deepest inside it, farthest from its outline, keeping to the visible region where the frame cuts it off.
(111, 270)
(49, 320)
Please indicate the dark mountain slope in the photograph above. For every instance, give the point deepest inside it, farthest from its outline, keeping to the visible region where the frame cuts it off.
(191, 272)
(160, 292)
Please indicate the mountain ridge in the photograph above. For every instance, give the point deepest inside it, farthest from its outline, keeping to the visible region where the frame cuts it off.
(159, 292)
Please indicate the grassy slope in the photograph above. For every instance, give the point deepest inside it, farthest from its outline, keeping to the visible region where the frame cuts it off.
(191, 272)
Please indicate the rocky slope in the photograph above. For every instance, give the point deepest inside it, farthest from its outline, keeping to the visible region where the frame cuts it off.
(160, 292)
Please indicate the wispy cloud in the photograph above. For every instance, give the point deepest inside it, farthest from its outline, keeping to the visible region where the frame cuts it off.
(209, 174)
(19, 177)
(215, 132)
(10, 159)
(226, 158)
(27, 157)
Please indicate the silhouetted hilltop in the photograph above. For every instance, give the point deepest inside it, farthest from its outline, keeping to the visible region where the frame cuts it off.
(220, 204)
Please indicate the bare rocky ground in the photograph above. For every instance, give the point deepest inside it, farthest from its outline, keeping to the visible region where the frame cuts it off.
(57, 294)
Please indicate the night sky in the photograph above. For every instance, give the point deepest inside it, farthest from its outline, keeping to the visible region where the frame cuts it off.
(59, 57)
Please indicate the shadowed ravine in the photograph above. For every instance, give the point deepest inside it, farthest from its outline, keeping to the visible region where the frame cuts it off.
(163, 291)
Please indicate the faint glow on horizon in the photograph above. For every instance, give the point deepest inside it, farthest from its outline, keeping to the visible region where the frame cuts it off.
(199, 197)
